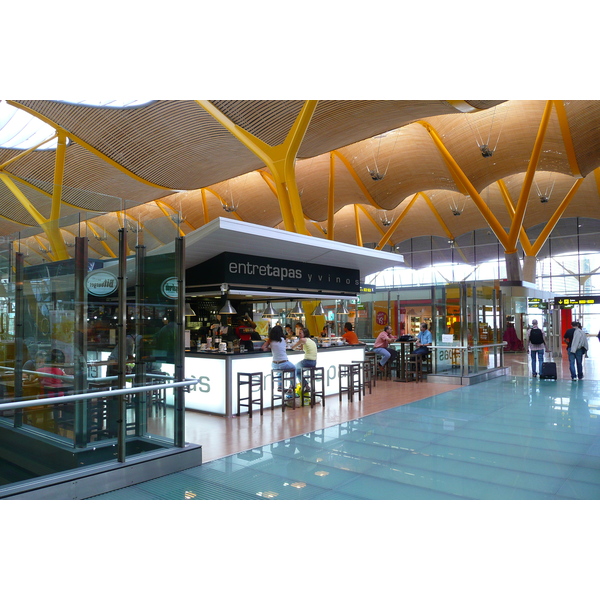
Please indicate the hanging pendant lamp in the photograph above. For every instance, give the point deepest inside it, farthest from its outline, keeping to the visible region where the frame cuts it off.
(319, 311)
(227, 309)
(270, 311)
(343, 309)
(297, 310)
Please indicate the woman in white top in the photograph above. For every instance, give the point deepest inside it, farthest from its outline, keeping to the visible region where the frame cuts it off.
(276, 343)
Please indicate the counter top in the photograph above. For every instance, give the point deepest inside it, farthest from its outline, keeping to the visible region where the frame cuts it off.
(264, 352)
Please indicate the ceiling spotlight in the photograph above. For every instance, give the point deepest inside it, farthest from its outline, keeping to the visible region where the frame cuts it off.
(486, 151)
(544, 199)
(376, 175)
(456, 212)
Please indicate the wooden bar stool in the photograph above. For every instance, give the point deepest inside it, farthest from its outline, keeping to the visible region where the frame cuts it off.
(351, 374)
(414, 367)
(282, 382)
(372, 358)
(314, 378)
(367, 375)
(249, 391)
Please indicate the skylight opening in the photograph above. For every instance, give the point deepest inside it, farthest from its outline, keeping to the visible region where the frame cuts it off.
(21, 131)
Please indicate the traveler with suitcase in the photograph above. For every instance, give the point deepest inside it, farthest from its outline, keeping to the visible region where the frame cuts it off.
(536, 347)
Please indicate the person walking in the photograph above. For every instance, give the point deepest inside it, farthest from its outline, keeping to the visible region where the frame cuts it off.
(578, 347)
(536, 346)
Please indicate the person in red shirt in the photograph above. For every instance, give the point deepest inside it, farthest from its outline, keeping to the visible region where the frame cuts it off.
(244, 331)
(381, 346)
(350, 336)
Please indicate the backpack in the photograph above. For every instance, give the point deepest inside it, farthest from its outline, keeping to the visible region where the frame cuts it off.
(536, 337)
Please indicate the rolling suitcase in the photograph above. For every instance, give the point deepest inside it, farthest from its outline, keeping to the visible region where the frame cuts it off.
(548, 370)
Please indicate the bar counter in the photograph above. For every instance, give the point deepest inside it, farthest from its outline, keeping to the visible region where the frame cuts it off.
(217, 391)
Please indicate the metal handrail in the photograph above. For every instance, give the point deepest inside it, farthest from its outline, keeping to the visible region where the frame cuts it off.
(472, 347)
(91, 395)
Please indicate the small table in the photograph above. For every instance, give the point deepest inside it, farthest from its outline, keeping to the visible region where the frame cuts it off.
(404, 349)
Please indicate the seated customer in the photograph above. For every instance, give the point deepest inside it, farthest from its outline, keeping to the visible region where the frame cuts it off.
(424, 340)
(350, 336)
(310, 352)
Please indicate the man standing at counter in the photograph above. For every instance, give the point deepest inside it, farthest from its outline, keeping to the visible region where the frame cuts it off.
(382, 348)
(244, 331)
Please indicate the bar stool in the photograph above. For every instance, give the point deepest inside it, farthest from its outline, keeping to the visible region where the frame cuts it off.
(352, 374)
(386, 372)
(285, 379)
(372, 358)
(367, 378)
(314, 377)
(414, 367)
(253, 394)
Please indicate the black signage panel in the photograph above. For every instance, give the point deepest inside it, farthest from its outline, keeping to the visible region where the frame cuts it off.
(259, 272)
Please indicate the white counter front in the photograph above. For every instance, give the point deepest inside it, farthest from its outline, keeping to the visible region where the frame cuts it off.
(217, 391)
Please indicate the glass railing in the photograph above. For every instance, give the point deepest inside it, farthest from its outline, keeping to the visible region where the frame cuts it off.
(456, 360)
(49, 433)
(69, 307)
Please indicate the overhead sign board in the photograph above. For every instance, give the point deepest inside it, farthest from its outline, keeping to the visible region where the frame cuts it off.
(565, 301)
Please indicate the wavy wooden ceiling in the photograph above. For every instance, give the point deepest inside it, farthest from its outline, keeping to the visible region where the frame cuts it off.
(173, 157)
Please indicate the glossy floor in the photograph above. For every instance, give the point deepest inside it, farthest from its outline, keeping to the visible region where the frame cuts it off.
(514, 437)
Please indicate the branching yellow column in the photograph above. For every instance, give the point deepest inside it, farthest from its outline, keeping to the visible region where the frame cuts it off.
(561, 113)
(356, 178)
(331, 197)
(375, 223)
(386, 238)
(525, 243)
(463, 182)
(558, 213)
(359, 241)
(517, 222)
(437, 215)
(279, 159)
(50, 227)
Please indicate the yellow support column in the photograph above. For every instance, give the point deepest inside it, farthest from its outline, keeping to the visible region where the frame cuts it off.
(279, 159)
(331, 197)
(386, 238)
(359, 241)
(463, 182)
(558, 213)
(517, 222)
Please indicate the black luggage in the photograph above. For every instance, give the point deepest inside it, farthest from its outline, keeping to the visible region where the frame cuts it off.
(548, 370)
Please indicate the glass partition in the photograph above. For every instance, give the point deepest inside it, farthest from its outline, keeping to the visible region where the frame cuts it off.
(75, 324)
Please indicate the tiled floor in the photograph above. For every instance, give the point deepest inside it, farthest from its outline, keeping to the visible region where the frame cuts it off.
(514, 437)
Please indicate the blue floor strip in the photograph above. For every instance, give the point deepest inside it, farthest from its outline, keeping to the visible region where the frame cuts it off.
(511, 438)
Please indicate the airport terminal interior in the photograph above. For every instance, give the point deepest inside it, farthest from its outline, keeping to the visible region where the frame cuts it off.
(171, 224)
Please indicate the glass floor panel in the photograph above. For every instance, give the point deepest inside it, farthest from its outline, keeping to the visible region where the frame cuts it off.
(511, 438)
